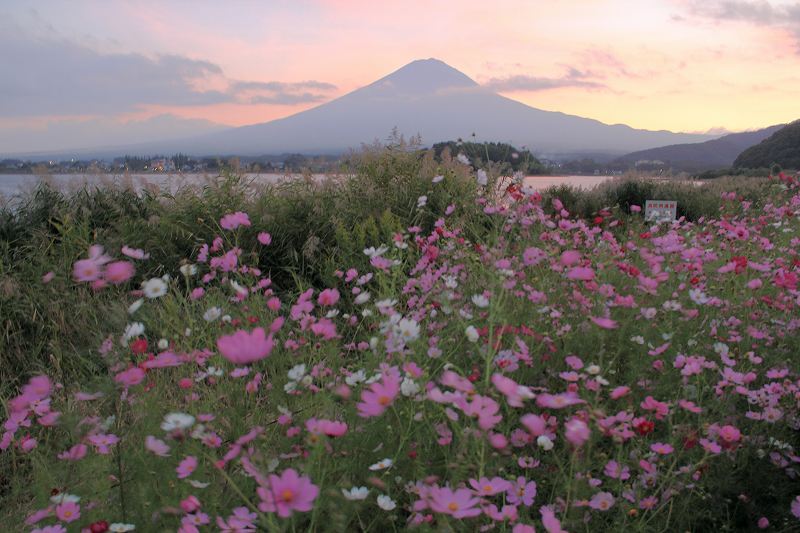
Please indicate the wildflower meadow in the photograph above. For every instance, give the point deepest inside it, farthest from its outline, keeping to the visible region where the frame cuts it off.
(459, 355)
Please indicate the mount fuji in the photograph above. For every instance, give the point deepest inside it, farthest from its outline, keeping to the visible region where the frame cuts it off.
(425, 97)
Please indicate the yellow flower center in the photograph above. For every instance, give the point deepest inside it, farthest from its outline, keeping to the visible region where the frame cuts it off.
(453, 506)
(384, 400)
(287, 495)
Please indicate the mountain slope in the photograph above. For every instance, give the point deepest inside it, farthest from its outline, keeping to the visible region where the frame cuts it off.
(782, 147)
(716, 153)
(426, 97)
(437, 101)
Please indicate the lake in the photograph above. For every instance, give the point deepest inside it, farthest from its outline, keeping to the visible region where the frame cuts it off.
(12, 184)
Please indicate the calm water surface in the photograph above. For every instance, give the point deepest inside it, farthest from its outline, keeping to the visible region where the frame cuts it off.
(12, 184)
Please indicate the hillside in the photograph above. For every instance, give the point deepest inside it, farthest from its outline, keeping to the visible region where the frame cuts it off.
(695, 157)
(782, 148)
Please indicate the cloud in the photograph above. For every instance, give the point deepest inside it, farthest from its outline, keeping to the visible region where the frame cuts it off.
(525, 83)
(68, 134)
(47, 77)
(758, 12)
(280, 93)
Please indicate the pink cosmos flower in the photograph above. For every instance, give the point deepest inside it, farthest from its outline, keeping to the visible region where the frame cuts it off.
(581, 274)
(135, 253)
(521, 492)
(515, 394)
(795, 508)
(330, 428)
(549, 521)
(264, 238)
(489, 487)
(287, 493)
(103, 442)
(86, 270)
(602, 501)
(460, 503)
(730, 434)
(231, 221)
(557, 401)
(576, 432)
(604, 322)
(661, 448)
(619, 392)
(242, 348)
(76, 453)
(68, 511)
(380, 395)
(128, 378)
(186, 467)
(119, 272)
(47, 278)
(156, 446)
(570, 257)
(328, 297)
(241, 521)
(535, 424)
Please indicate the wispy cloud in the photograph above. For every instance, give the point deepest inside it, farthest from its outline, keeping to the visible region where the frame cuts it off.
(785, 16)
(43, 77)
(527, 83)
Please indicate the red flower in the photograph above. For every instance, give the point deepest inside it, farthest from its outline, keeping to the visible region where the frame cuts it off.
(645, 235)
(139, 346)
(101, 526)
(644, 427)
(598, 220)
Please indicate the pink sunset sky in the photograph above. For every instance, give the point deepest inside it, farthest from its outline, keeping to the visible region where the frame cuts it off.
(681, 65)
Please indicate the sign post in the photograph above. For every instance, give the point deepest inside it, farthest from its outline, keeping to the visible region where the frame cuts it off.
(658, 210)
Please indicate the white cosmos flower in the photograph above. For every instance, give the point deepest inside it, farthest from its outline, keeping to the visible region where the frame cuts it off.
(386, 503)
(362, 298)
(480, 300)
(135, 306)
(483, 179)
(163, 344)
(134, 329)
(173, 421)
(461, 158)
(356, 378)
(242, 291)
(212, 314)
(356, 493)
(297, 372)
(375, 252)
(64, 497)
(472, 334)
(422, 201)
(408, 329)
(437, 179)
(198, 484)
(382, 465)
(593, 369)
(188, 270)
(409, 387)
(119, 527)
(154, 288)
(544, 442)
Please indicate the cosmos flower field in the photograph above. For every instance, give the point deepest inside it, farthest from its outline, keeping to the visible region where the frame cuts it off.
(523, 370)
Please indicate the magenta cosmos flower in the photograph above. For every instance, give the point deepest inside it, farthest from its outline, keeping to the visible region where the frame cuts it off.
(380, 395)
(231, 221)
(460, 503)
(287, 493)
(243, 348)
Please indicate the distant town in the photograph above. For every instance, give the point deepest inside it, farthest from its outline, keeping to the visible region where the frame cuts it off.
(160, 164)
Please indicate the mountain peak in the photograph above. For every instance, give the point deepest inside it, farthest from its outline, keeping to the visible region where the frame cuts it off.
(421, 77)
